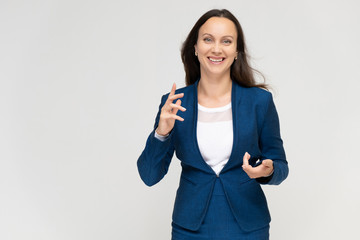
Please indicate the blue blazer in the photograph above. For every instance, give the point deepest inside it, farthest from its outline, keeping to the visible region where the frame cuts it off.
(256, 131)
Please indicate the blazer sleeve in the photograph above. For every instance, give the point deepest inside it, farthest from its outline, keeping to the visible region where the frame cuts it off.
(155, 159)
(271, 145)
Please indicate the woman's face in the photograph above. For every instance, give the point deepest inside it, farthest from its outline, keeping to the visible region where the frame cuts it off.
(216, 46)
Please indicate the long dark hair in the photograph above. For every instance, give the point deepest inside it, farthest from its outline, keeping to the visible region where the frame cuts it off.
(240, 71)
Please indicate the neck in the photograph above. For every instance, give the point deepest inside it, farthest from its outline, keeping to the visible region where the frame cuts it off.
(214, 87)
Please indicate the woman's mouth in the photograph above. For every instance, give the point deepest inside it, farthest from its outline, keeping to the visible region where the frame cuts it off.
(216, 60)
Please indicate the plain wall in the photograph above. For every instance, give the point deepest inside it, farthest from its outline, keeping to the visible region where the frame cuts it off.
(80, 85)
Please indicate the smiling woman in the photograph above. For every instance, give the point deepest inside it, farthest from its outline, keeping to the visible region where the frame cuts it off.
(227, 138)
(216, 48)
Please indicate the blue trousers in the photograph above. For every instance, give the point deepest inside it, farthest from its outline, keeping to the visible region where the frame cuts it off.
(219, 223)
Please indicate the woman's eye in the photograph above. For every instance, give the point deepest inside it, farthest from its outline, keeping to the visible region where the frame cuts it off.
(227, 41)
(207, 39)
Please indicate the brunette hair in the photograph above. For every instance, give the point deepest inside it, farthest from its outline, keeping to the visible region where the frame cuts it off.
(240, 71)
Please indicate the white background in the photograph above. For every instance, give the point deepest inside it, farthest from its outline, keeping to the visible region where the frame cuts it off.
(80, 85)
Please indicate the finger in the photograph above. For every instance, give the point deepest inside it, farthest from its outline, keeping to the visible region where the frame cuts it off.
(170, 100)
(267, 163)
(264, 169)
(176, 117)
(178, 106)
(173, 88)
(247, 170)
(175, 106)
(255, 172)
(250, 171)
(246, 159)
(175, 96)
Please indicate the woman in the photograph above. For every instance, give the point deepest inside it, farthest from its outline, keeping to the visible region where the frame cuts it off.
(226, 136)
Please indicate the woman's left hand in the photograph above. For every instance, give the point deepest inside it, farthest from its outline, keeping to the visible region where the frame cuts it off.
(263, 170)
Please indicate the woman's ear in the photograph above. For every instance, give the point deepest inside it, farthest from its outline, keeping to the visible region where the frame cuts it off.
(196, 52)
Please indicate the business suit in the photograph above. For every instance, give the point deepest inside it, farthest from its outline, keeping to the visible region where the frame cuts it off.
(256, 130)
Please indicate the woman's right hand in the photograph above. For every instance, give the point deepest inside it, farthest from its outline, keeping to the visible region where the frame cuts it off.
(168, 112)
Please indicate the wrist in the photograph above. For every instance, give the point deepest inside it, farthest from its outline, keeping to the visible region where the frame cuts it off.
(161, 134)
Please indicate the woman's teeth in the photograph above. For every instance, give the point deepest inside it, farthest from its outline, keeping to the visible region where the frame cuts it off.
(216, 60)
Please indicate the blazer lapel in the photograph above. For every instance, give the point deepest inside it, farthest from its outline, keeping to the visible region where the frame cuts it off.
(195, 118)
(236, 97)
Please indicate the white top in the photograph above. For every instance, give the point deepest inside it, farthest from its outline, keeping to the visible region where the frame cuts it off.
(215, 135)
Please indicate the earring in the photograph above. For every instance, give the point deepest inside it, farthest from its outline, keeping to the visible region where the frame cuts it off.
(196, 53)
(236, 56)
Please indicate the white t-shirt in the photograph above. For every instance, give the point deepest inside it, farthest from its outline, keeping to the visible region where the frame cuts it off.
(215, 135)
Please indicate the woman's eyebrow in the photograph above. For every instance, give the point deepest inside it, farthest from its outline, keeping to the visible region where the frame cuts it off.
(213, 36)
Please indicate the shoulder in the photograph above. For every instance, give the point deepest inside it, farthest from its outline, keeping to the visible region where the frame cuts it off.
(253, 94)
(185, 89)
(254, 99)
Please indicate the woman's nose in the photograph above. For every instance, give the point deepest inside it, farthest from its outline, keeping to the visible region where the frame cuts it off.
(216, 48)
